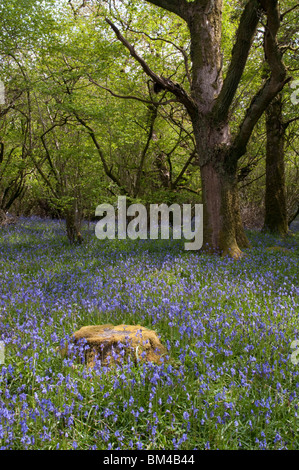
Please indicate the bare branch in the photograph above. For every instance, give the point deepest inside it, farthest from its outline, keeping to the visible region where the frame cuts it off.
(164, 83)
(185, 188)
(184, 168)
(167, 41)
(252, 181)
(60, 124)
(285, 48)
(45, 178)
(11, 104)
(288, 11)
(290, 121)
(107, 170)
(76, 10)
(154, 114)
(129, 97)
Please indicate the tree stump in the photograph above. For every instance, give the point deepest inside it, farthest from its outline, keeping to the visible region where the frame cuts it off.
(112, 344)
(6, 219)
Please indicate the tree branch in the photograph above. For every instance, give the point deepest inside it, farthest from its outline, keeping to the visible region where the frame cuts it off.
(61, 124)
(184, 169)
(100, 152)
(167, 41)
(293, 217)
(290, 121)
(272, 86)
(154, 114)
(128, 97)
(185, 188)
(245, 34)
(47, 181)
(164, 83)
(288, 11)
(179, 7)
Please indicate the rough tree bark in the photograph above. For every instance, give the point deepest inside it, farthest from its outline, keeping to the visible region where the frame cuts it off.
(73, 221)
(276, 219)
(209, 105)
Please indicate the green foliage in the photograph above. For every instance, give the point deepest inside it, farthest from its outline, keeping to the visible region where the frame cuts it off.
(61, 64)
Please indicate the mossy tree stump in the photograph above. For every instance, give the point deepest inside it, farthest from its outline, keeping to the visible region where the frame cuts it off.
(111, 344)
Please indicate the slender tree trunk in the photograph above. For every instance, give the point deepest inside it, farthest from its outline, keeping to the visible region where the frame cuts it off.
(276, 220)
(241, 237)
(73, 225)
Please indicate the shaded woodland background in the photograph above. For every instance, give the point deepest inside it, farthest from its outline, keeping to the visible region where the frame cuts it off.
(82, 123)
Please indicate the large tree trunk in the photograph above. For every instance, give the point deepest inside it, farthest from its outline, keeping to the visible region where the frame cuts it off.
(209, 104)
(223, 230)
(276, 220)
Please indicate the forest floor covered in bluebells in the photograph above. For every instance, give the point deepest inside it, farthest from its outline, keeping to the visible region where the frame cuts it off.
(228, 381)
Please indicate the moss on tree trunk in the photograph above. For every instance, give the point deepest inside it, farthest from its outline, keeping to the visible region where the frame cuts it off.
(275, 197)
(223, 230)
